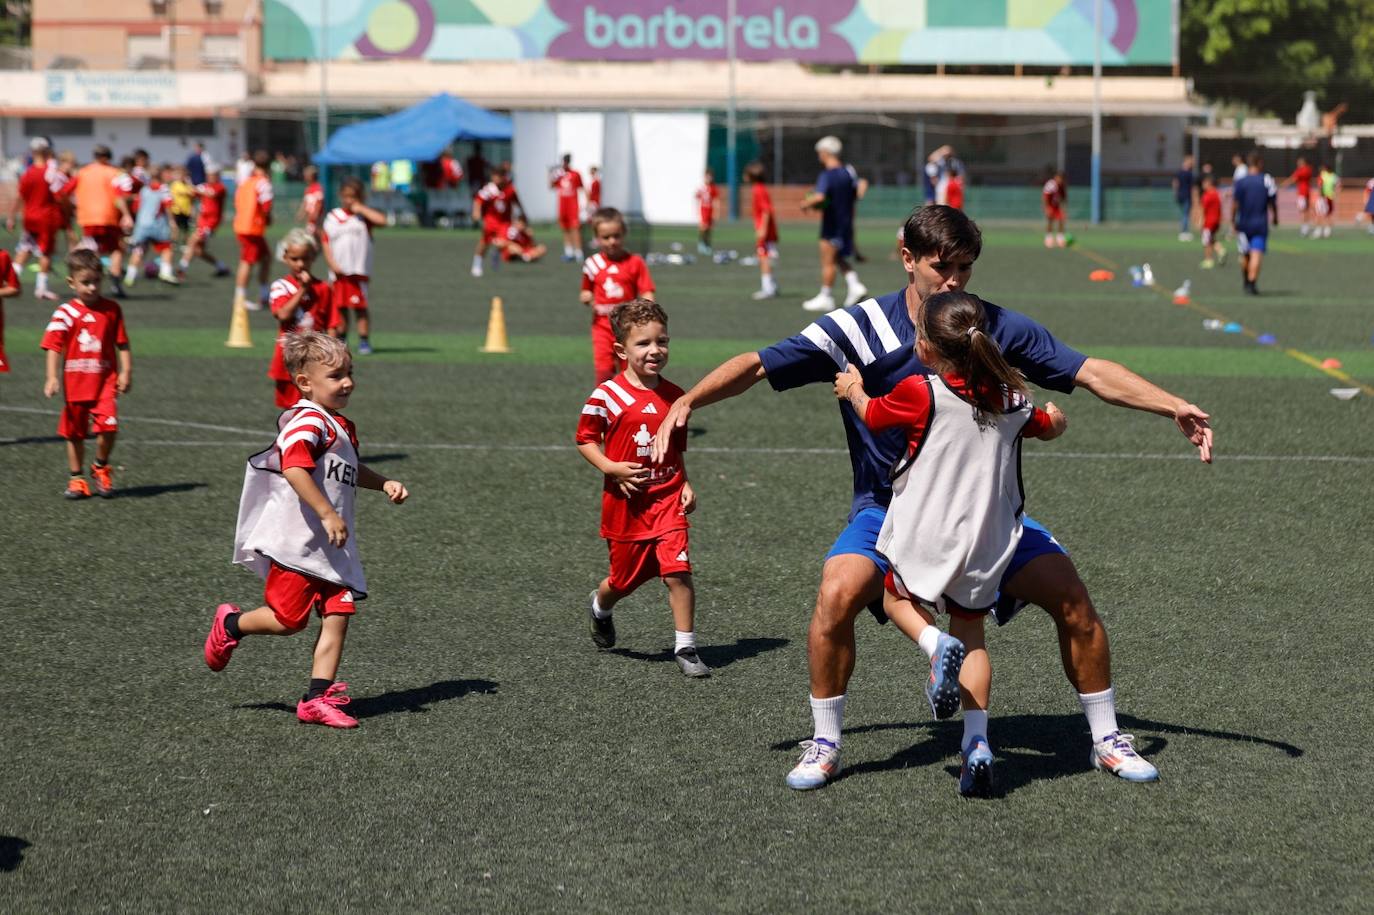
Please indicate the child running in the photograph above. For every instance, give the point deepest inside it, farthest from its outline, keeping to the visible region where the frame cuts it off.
(183, 205)
(609, 277)
(9, 287)
(708, 211)
(153, 228)
(765, 231)
(643, 509)
(85, 337)
(300, 303)
(295, 526)
(252, 216)
(1209, 206)
(1053, 196)
(955, 517)
(348, 251)
(211, 195)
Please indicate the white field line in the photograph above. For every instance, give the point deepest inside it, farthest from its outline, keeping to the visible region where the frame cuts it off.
(261, 438)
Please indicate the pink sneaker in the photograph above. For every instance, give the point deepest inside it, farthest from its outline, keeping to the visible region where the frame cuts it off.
(218, 646)
(327, 709)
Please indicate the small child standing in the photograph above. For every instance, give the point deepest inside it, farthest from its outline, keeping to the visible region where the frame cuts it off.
(955, 518)
(252, 216)
(1209, 203)
(9, 287)
(183, 205)
(311, 211)
(348, 251)
(295, 526)
(644, 509)
(609, 277)
(85, 337)
(765, 231)
(300, 303)
(1053, 196)
(708, 211)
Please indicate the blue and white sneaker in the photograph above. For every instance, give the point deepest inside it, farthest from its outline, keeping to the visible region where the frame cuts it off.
(819, 765)
(1116, 754)
(975, 776)
(364, 348)
(942, 690)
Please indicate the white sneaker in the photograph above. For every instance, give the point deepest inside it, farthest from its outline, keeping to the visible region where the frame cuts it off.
(761, 294)
(1185, 236)
(1116, 754)
(822, 301)
(476, 269)
(168, 277)
(819, 764)
(855, 295)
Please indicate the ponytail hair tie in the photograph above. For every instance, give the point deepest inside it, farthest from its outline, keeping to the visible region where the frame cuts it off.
(973, 329)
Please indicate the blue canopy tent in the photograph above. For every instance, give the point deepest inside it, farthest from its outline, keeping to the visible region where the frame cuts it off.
(419, 133)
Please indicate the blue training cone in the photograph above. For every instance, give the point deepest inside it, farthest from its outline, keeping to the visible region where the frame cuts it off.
(1266, 339)
(1232, 328)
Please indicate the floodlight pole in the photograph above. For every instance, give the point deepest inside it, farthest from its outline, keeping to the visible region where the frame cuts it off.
(322, 127)
(1096, 189)
(731, 152)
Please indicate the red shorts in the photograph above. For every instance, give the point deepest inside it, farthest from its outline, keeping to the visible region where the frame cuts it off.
(1054, 214)
(40, 237)
(567, 214)
(4, 363)
(205, 229)
(350, 293)
(253, 249)
(77, 416)
(633, 562)
(603, 349)
(160, 246)
(292, 596)
(494, 233)
(767, 249)
(894, 585)
(104, 239)
(288, 395)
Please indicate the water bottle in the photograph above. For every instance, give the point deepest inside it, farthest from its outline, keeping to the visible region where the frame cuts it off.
(1147, 276)
(1212, 324)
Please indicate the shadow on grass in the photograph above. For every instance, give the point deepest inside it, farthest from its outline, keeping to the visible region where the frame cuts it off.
(1030, 748)
(32, 440)
(12, 852)
(150, 491)
(388, 350)
(715, 656)
(383, 458)
(415, 700)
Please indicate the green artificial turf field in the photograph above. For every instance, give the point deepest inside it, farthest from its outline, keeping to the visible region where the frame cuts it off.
(504, 764)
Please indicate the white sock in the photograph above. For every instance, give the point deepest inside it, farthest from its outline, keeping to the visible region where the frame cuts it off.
(975, 725)
(130, 274)
(477, 262)
(929, 638)
(1101, 711)
(825, 291)
(683, 640)
(240, 293)
(597, 611)
(828, 715)
(769, 284)
(184, 264)
(851, 279)
(41, 284)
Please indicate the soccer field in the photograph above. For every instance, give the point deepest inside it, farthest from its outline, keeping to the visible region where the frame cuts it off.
(504, 764)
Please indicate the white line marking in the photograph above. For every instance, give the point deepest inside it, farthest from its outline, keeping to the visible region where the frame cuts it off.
(262, 436)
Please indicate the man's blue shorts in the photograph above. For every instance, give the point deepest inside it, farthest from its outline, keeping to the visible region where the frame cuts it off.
(1245, 243)
(842, 241)
(860, 538)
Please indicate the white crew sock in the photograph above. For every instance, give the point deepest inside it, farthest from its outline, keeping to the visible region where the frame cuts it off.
(929, 638)
(825, 291)
(828, 715)
(597, 611)
(184, 264)
(1101, 711)
(240, 293)
(1049, 238)
(41, 284)
(477, 262)
(769, 284)
(975, 725)
(851, 279)
(683, 640)
(130, 274)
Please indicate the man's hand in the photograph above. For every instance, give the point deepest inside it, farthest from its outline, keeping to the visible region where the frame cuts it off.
(395, 491)
(677, 417)
(689, 499)
(1194, 425)
(629, 476)
(335, 528)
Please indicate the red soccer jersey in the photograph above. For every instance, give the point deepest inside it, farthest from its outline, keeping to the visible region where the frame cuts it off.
(612, 282)
(909, 406)
(707, 195)
(623, 419)
(88, 338)
(313, 202)
(8, 277)
(1211, 208)
(594, 194)
(315, 311)
(309, 434)
(568, 182)
(40, 203)
(954, 193)
(519, 236)
(765, 223)
(496, 204)
(1302, 177)
(212, 195)
(1053, 194)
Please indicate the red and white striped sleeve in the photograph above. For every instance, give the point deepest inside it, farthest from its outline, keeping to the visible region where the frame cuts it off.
(596, 418)
(59, 327)
(306, 436)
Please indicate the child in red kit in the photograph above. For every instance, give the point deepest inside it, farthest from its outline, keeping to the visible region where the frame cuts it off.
(1053, 196)
(295, 526)
(1209, 203)
(311, 211)
(765, 231)
(609, 277)
(86, 336)
(9, 286)
(708, 211)
(301, 303)
(567, 181)
(644, 508)
(520, 244)
(348, 250)
(496, 203)
(211, 195)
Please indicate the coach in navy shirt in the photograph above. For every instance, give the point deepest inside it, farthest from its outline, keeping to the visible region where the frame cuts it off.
(940, 245)
(837, 191)
(1254, 199)
(195, 164)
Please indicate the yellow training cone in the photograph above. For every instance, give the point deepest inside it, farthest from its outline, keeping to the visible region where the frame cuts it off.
(238, 327)
(497, 342)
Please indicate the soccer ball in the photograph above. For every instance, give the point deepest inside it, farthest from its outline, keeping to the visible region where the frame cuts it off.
(150, 270)
(1068, 240)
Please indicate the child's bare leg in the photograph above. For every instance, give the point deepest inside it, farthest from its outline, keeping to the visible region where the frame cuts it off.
(682, 601)
(975, 680)
(76, 454)
(329, 646)
(104, 444)
(908, 616)
(263, 621)
(364, 326)
(607, 597)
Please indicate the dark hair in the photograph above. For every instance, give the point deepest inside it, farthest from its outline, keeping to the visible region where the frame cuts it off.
(355, 185)
(127, 163)
(941, 231)
(1255, 160)
(755, 172)
(310, 172)
(608, 214)
(628, 315)
(955, 325)
(262, 159)
(84, 260)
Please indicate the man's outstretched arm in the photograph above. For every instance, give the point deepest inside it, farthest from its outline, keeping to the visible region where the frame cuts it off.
(729, 379)
(1118, 385)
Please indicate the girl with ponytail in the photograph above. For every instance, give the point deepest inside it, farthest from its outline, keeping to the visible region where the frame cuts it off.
(957, 501)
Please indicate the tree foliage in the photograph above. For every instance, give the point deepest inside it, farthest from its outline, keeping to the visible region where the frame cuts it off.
(1266, 53)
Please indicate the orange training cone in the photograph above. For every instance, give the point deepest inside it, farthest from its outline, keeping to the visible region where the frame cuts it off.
(497, 342)
(238, 327)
